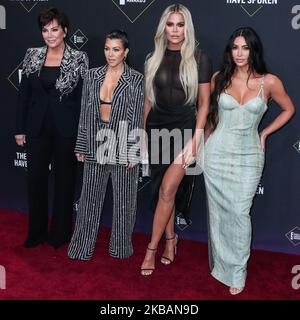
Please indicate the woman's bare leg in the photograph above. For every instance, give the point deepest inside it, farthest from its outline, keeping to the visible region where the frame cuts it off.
(171, 240)
(164, 214)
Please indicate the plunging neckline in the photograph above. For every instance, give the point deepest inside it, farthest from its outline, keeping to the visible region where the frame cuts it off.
(243, 104)
(259, 95)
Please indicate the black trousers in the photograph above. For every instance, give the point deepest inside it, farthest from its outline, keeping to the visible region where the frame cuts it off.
(50, 147)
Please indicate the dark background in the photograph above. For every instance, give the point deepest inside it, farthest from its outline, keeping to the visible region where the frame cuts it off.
(275, 210)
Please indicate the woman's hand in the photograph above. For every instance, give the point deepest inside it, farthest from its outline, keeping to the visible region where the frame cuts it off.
(20, 139)
(130, 165)
(80, 157)
(263, 137)
(188, 154)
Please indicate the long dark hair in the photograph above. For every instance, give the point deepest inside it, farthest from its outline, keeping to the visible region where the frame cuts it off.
(223, 78)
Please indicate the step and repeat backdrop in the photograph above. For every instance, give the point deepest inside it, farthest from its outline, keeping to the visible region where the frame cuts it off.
(276, 209)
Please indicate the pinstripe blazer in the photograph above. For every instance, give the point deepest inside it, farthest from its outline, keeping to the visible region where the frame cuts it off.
(127, 105)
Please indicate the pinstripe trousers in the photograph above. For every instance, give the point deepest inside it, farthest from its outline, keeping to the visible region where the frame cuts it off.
(124, 183)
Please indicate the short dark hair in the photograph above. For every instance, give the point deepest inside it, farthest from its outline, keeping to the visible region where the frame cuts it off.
(48, 15)
(119, 34)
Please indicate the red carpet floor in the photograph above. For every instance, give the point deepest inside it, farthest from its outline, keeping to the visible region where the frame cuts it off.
(46, 273)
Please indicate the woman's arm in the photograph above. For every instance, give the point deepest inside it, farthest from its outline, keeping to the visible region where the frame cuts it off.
(208, 127)
(190, 150)
(147, 108)
(81, 143)
(85, 65)
(135, 118)
(276, 91)
(22, 104)
(203, 105)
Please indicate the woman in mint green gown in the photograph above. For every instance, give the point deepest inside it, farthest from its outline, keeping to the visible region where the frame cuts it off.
(234, 151)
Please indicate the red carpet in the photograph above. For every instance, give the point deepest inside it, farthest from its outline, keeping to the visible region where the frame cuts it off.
(46, 273)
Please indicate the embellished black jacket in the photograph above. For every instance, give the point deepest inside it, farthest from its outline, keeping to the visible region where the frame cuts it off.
(33, 100)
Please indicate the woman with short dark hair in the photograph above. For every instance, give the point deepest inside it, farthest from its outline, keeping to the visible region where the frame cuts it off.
(47, 121)
(48, 15)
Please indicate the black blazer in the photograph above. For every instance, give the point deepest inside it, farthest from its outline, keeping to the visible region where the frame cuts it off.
(65, 101)
(127, 107)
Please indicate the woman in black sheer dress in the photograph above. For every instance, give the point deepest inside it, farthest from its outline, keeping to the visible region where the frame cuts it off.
(177, 102)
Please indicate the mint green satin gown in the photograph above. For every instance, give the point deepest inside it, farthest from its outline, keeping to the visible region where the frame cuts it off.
(233, 164)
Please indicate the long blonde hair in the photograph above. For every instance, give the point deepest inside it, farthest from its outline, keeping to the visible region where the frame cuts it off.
(188, 66)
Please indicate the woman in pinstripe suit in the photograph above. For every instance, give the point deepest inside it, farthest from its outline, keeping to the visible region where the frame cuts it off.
(112, 110)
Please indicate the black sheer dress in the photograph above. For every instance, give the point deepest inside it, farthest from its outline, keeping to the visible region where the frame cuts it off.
(170, 112)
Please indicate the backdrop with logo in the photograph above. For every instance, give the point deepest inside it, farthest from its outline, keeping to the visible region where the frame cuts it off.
(275, 212)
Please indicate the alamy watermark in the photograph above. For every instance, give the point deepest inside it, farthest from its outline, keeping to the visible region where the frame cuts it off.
(296, 19)
(296, 279)
(123, 146)
(2, 17)
(2, 278)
